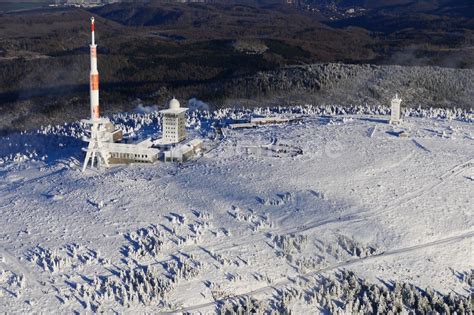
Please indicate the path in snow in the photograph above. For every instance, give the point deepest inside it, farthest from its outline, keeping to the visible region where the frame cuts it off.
(344, 264)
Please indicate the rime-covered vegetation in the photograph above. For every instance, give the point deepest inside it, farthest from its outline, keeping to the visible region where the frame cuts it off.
(358, 84)
(346, 293)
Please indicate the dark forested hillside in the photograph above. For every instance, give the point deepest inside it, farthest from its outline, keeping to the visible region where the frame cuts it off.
(151, 50)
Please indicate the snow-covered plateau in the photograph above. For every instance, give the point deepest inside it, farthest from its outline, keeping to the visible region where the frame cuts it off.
(335, 213)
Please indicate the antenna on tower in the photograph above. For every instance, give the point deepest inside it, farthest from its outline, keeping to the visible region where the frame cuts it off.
(93, 31)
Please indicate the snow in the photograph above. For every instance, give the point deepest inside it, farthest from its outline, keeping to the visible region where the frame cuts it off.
(335, 191)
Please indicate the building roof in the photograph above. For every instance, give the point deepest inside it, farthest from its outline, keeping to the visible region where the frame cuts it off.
(129, 148)
(183, 148)
(269, 120)
(174, 111)
(242, 125)
(195, 142)
(174, 108)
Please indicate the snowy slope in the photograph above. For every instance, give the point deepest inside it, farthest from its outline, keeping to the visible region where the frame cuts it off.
(246, 220)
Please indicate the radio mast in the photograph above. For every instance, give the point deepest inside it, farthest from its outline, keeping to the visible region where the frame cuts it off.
(96, 151)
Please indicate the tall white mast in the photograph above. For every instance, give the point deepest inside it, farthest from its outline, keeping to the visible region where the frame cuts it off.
(96, 149)
(94, 76)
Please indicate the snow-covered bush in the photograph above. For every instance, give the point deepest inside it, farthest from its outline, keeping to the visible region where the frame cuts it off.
(49, 260)
(144, 242)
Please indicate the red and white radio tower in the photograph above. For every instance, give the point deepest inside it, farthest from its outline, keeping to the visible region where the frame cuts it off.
(94, 78)
(96, 150)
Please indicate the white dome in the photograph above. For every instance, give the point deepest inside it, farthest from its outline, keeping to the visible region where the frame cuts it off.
(174, 104)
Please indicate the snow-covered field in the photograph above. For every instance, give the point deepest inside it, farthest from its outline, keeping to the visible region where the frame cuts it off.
(335, 213)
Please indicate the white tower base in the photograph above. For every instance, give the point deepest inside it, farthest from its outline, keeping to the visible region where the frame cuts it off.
(96, 150)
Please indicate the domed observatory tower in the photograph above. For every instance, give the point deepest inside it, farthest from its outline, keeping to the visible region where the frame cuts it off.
(174, 123)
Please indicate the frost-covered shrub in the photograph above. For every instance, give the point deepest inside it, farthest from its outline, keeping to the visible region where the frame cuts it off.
(144, 242)
(257, 222)
(183, 267)
(290, 243)
(11, 284)
(355, 248)
(348, 294)
(133, 286)
(49, 260)
(241, 305)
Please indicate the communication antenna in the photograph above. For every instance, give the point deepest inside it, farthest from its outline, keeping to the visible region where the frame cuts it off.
(96, 149)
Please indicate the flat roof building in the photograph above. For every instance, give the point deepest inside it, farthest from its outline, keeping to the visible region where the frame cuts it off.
(121, 153)
(184, 152)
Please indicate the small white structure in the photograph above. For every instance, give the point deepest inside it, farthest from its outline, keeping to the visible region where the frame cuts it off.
(270, 120)
(121, 153)
(112, 134)
(242, 125)
(259, 121)
(183, 152)
(174, 123)
(395, 110)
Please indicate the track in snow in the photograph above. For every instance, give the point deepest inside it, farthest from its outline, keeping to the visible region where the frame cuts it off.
(361, 216)
(343, 264)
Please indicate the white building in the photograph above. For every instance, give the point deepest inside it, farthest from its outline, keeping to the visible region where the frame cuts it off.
(121, 153)
(184, 152)
(174, 123)
(395, 110)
